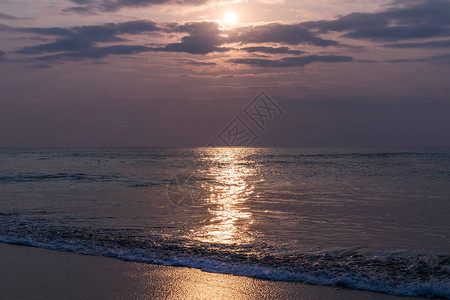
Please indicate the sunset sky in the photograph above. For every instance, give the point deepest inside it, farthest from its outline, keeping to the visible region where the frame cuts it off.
(175, 73)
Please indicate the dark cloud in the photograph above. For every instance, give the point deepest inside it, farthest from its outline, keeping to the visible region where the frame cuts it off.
(418, 19)
(203, 38)
(272, 50)
(4, 27)
(291, 34)
(432, 44)
(349, 22)
(196, 38)
(190, 46)
(114, 5)
(298, 61)
(437, 59)
(49, 31)
(60, 45)
(405, 20)
(99, 52)
(413, 19)
(8, 17)
(137, 27)
(100, 33)
(105, 32)
(440, 59)
(76, 42)
(82, 2)
(83, 38)
(79, 10)
(82, 42)
(2, 55)
(41, 66)
(398, 32)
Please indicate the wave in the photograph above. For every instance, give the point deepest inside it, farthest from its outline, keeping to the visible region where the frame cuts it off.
(81, 178)
(397, 272)
(77, 177)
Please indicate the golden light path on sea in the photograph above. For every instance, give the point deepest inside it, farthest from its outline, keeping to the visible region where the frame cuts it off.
(227, 197)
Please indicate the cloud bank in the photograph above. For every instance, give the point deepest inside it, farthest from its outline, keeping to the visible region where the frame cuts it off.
(405, 25)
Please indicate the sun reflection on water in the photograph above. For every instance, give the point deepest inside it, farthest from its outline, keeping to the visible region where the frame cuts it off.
(227, 197)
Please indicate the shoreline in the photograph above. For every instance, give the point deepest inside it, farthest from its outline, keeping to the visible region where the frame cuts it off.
(29, 272)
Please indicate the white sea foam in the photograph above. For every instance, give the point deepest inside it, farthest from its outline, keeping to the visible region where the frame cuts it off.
(354, 279)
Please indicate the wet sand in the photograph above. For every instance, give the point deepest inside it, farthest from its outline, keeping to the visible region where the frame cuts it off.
(33, 273)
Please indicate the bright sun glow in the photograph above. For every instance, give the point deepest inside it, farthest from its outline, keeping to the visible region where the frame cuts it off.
(230, 18)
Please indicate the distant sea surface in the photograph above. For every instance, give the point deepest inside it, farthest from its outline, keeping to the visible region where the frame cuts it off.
(370, 219)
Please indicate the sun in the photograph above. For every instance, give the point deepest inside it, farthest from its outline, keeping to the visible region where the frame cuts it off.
(230, 18)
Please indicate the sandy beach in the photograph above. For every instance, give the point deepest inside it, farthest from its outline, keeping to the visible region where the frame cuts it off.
(33, 273)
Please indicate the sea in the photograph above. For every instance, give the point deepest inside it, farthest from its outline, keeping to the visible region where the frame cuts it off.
(373, 219)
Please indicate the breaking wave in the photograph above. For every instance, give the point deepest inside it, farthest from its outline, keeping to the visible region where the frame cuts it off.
(396, 272)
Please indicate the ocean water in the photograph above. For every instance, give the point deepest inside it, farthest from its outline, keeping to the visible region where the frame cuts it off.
(369, 219)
